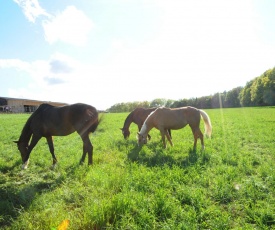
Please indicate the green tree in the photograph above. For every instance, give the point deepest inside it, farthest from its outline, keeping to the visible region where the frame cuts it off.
(204, 102)
(180, 103)
(245, 95)
(268, 80)
(158, 102)
(218, 100)
(260, 91)
(169, 103)
(257, 92)
(232, 98)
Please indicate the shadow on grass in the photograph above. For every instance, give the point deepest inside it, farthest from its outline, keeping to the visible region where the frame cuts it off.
(10, 167)
(18, 189)
(159, 156)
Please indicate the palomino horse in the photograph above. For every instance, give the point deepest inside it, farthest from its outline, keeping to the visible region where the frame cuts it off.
(138, 117)
(165, 118)
(48, 121)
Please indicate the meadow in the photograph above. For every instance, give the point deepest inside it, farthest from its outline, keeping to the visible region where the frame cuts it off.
(230, 185)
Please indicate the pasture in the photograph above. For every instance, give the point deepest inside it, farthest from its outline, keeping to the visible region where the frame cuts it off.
(230, 185)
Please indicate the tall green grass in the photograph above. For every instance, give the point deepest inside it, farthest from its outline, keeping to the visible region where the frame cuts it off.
(230, 185)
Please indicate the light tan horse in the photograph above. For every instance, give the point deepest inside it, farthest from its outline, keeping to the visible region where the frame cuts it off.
(177, 118)
(137, 116)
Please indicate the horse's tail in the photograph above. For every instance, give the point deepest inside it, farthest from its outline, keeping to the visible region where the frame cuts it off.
(207, 123)
(96, 123)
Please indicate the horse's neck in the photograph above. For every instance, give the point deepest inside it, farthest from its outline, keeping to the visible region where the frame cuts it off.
(128, 121)
(146, 127)
(148, 124)
(26, 132)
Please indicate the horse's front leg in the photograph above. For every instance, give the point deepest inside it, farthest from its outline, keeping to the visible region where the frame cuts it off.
(51, 147)
(33, 143)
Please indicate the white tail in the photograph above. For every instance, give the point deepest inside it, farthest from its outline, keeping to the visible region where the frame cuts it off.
(207, 123)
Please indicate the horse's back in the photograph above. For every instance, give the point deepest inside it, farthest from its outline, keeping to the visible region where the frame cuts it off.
(37, 118)
(64, 120)
(84, 117)
(80, 110)
(176, 118)
(140, 114)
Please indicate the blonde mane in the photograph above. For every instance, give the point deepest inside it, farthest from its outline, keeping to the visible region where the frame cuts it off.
(144, 126)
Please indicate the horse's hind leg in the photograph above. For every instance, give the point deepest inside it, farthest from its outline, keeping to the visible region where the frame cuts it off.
(201, 137)
(51, 147)
(87, 148)
(197, 134)
(169, 131)
(167, 134)
(83, 155)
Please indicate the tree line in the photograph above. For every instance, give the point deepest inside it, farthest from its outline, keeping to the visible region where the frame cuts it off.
(258, 92)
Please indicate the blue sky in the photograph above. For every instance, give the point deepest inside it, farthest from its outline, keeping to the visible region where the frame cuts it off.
(103, 52)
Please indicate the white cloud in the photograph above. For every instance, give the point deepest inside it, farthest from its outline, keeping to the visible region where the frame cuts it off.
(14, 63)
(31, 9)
(42, 71)
(95, 85)
(70, 26)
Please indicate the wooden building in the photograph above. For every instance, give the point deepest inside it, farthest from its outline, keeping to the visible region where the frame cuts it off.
(17, 105)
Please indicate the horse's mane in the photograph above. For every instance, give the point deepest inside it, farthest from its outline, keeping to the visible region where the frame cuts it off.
(128, 119)
(41, 108)
(26, 133)
(150, 115)
(144, 126)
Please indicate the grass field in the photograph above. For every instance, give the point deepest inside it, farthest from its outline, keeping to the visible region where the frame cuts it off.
(230, 185)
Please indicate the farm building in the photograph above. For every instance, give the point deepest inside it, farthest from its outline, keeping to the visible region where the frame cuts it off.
(17, 105)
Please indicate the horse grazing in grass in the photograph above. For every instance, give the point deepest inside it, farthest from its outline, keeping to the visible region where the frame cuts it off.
(137, 116)
(177, 118)
(48, 121)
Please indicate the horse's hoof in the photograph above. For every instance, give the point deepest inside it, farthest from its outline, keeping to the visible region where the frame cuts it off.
(25, 165)
(54, 166)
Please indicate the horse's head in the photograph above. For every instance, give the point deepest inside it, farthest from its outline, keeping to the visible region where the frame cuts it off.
(142, 139)
(23, 149)
(125, 132)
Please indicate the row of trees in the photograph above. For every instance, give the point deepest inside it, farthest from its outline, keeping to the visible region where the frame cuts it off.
(260, 91)
(257, 92)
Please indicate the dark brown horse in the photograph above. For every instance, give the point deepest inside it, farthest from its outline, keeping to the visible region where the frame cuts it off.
(165, 118)
(138, 117)
(48, 121)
